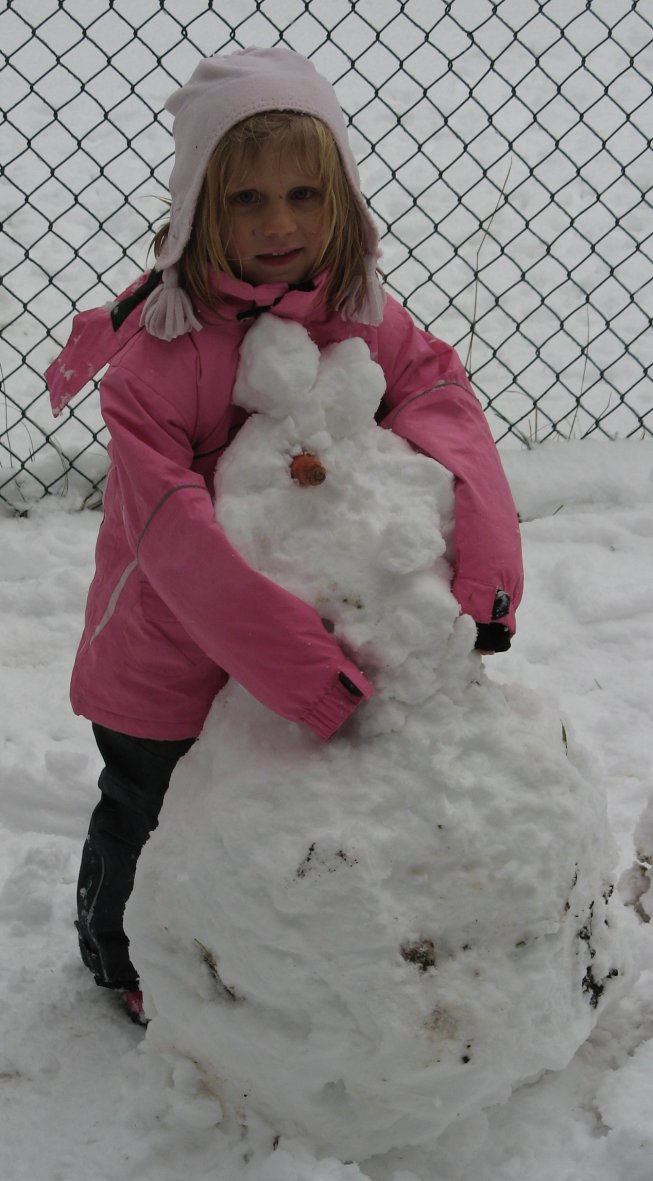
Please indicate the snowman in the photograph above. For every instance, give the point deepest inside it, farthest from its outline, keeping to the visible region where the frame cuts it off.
(363, 942)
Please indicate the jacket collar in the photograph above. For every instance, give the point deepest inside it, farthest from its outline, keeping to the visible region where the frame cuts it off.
(242, 301)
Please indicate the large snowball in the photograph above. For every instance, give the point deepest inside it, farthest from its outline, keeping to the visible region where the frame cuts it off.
(364, 942)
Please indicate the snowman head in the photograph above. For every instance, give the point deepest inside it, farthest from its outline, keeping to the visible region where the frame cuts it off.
(282, 374)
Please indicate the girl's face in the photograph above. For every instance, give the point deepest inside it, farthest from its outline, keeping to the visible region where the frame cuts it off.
(276, 220)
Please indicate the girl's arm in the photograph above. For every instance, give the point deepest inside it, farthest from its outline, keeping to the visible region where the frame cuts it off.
(430, 402)
(273, 643)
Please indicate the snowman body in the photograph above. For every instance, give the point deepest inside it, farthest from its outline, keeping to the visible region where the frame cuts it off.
(365, 941)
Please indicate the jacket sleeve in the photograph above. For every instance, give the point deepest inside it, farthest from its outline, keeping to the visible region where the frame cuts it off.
(273, 643)
(429, 402)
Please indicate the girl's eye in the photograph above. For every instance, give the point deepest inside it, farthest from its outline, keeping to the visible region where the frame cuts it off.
(304, 193)
(244, 197)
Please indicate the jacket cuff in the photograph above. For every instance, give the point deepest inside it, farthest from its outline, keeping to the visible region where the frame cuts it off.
(486, 603)
(349, 689)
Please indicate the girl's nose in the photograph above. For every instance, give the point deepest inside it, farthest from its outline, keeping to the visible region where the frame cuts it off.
(279, 219)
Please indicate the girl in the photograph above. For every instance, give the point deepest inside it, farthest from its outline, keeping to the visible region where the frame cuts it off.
(266, 215)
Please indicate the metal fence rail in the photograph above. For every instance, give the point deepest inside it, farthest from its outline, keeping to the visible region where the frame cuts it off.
(504, 148)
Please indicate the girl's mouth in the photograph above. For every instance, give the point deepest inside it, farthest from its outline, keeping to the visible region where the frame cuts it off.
(279, 258)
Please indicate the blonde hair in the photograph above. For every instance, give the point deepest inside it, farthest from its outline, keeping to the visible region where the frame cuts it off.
(310, 145)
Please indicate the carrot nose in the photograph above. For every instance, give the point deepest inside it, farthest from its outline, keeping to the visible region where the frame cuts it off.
(307, 470)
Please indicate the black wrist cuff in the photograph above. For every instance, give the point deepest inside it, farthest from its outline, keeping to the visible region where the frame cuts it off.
(492, 637)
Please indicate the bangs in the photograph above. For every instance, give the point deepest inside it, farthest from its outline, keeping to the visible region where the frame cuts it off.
(301, 139)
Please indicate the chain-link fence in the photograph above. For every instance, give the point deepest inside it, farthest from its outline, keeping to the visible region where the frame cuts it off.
(504, 148)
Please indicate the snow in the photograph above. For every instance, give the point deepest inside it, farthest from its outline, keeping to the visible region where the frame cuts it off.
(81, 1097)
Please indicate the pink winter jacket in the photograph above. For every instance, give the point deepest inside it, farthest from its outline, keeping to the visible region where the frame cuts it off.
(173, 609)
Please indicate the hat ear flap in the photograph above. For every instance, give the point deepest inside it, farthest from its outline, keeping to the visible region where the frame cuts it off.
(168, 311)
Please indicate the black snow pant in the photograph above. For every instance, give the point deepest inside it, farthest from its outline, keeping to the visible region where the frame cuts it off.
(133, 782)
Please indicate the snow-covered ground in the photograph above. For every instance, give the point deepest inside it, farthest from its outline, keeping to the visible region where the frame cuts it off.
(75, 1093)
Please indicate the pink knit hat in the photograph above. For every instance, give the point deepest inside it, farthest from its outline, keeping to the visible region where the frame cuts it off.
(222, 91)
